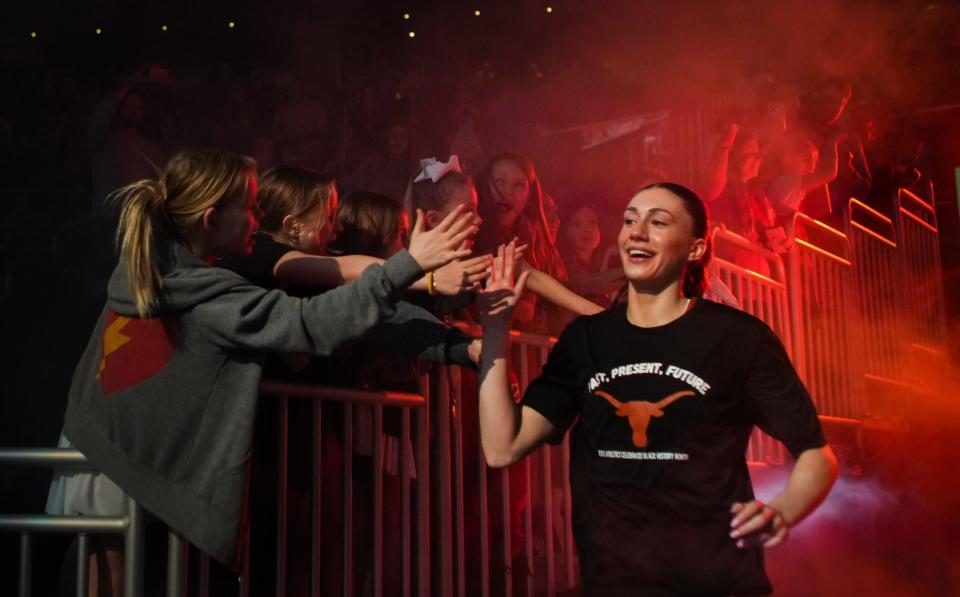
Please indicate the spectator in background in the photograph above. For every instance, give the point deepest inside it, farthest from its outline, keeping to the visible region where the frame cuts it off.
(802, 169)
(266, 152)
(300, 126)
(388, 169)
(119, 154)
(465, 141)
(512, 206)
(578, 241)
(824, 116)
(741, 206)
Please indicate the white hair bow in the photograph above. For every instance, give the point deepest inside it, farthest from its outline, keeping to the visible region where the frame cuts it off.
(431, 168)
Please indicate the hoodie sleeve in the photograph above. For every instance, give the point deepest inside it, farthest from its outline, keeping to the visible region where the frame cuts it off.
(249, 317)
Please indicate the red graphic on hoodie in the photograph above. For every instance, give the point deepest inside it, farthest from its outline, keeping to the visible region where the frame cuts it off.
(639, 413)
(134, 350)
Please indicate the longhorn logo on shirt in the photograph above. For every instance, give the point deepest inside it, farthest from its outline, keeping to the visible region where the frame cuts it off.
(639, 413)
(134, 350)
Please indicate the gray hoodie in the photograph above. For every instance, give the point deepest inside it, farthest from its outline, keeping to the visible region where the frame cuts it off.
(165, 406)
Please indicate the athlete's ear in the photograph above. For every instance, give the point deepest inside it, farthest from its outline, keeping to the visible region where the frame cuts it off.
(697, 250)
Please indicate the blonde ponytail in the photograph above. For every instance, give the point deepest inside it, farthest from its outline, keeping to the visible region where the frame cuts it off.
(192, 181)
(141, 216)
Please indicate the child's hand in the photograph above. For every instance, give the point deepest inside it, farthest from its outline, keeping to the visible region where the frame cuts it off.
(434, 248)
(495, 303)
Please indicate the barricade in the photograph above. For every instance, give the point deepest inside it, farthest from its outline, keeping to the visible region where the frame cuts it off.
(130, 525)
(763, 295)
(413, 527)
(921, 272)
(876, 266)
(827, 343)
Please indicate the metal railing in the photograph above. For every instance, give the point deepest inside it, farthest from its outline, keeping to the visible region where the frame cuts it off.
(130, 525)
(763, 295)
(873, 243)
(464, 529)
(826, 330)
(920, 268)
(415, 575)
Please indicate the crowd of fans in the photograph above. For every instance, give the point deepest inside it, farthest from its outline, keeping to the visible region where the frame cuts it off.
(777, 150)
(774, 148)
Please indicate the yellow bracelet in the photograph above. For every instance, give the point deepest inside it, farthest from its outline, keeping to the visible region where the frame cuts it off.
(431, 289)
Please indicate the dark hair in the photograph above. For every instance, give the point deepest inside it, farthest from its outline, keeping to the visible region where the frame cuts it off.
(694, 278)
(367, 223)
(531, 225)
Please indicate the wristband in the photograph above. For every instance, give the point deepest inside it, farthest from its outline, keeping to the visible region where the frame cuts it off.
(431, 289)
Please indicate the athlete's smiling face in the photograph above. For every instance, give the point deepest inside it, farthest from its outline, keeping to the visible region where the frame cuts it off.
(657, 241)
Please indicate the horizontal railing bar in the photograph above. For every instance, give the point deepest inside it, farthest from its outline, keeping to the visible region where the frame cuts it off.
(875, 235)
(39, 523)
(733, 267)
(823, 252)
(916, 199)
(294, 390)
(532, 339)
(917, 219)
(772, 259)
(863, 206)
(841, 421)
(817, 223)
(53, 457)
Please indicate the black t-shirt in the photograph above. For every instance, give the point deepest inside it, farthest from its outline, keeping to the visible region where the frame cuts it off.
(658, 450)
(257, 267)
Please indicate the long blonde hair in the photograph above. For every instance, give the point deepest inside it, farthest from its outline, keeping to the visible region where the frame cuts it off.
(191, 181)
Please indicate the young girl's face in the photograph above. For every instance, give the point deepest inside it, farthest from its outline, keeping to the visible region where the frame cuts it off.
(235, 221)
(749, 158)
(583, 231)
(316, 227)
(511, 191)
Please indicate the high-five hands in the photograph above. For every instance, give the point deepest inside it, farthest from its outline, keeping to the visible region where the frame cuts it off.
(445, 243)
(495, 303)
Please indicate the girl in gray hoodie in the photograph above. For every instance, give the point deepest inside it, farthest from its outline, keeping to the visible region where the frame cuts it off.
(163, 399)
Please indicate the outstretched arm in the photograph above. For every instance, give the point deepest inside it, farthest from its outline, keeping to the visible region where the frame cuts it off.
(827, 167)
(601, 282)
(320, 270)
(558, 294)
(809, 483)
(508, 431)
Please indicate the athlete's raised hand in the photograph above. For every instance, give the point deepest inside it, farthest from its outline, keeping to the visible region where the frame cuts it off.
(495, 303)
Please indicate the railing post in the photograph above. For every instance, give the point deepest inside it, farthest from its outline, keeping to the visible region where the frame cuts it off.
(174, 564)
(26, 563)
(83, 564)
(133, 551)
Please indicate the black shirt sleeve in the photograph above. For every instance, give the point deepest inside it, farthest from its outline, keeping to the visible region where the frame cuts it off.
(557, 393)
(258, 266)
(781, 404)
